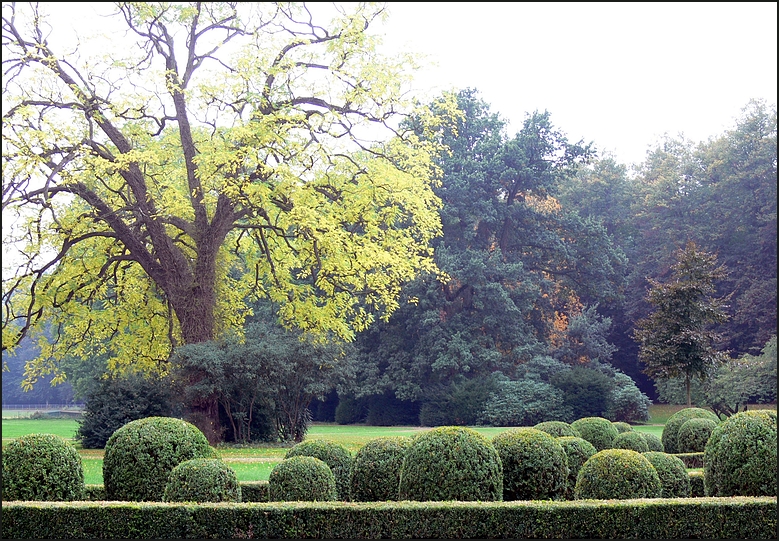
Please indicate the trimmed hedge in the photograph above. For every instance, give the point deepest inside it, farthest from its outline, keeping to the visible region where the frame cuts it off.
(675, 422)
(674, 479)
(696, 484)
(622, 426)
(617, 474)
(653, 442)
(375, 474)
(577, 452)
(202, 480)
(335, 455)
(451, 463)
(703, 518)
(596, 430)
(301, 478)
(38, 467)
(631, 440)
(558, 429)
(694, 434)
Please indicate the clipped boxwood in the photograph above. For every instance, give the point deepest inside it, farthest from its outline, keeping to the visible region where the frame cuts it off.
(675, 422)
(694, 434)
(42, 467)
(335, 455)
(140, 455)
(202, 480)
(617, 474)
(535, 466)
(451, 463)
(622, 426)
(596, 430)
(740, 456)
(630, 440)
(557, 429)
(653, 442)
(674, 478)
(375, 474)
(302, 478)
(577, 451)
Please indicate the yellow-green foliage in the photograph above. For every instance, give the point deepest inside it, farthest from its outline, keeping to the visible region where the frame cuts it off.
(676, 421)
(617, 474)
(694, 434)
(557, 429)
(631, 440)
(335, 455)
(598, 431)
(202, 480)
(674, 479)
(577, 451)
(375, 474)
(302, 478)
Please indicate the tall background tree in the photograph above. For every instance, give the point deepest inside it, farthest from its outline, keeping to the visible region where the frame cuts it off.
(220, 156)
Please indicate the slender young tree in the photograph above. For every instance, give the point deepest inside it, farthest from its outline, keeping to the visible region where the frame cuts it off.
(676, 339)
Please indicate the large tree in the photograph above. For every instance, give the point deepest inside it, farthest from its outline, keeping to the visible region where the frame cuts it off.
(222, 152)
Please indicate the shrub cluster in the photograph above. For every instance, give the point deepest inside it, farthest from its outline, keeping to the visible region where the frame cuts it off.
(694, 434)
(617, 474)
(302, 478)
(535, 466)
(653, 442)
(631, 440)
(596, 430)
(335, 455)
(557, 429)
(41, 467)
(675, 422)
(375, 474)
(577, 452)
(451, 463)
(622, 426)
(140, 455)
(202, 480)
(674, 478)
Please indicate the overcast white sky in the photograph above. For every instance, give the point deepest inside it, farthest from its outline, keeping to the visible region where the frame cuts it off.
(618, 74)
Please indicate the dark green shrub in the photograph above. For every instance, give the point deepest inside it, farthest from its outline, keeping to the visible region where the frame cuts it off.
(335, 455)
(627, 402)
(524, 403)
(596, 430)
(451, 463)
(653, 442)
(617, 474)
(387, 410)
(301, 478)
(622, 426)
(557, 429)
(202, 480)
(350, 410)
(535, 466)
(694, 434)
(375, 474)
(41, 467)
(675, 422)
(674, 478)
(630, 440)
(140, 456)
(577, 451)
(587, 392)
(458, 403)
(740, 456)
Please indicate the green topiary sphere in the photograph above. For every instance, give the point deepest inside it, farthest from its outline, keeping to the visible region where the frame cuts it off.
(375, 474)
(41, 467)
(674, 479)
(577, 451)
(675, 422)
(535, 466)
(596, 430)
(202, 480)
(302, 478)
(617, 474)
(653, 442)
(140, 455)
(740, 456)
(451, 463)
(622, 426)
(557, 429)
(694, 434)
(630, 440)
(335, 455)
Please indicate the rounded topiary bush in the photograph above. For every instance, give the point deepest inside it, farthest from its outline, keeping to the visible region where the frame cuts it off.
(674, 479)
(202, 480)
(577, 452)
(630, 440)
(335, 455)
(140, 455)
(740, 456)
(694, 434)
(675, 422)
(653, 442)
(451, 463)
(617, 474)
(557, 429)
(41, 467)
(596, 430)
(622, 426)
(302, 478)
(535, 466)
(375, 474)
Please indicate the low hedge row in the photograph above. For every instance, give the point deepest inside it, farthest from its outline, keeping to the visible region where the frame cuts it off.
(709, 518)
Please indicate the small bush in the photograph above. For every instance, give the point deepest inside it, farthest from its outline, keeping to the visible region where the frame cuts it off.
(622, 426)
(577, 451)
(674, 478)
(630, 440)
(375, 474)
(524, 403)
(675, 422)
(740, 456)
(202, 480)
(451, 463)
(41, 467)
(557, 429)
(534, 465)
(335, 455)
(617, 474)
(653, 442)
(627, 403)
(694, 434)
(458, 403)
(140, 455)
(586, 391)
(302, 478)
(596, 430)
